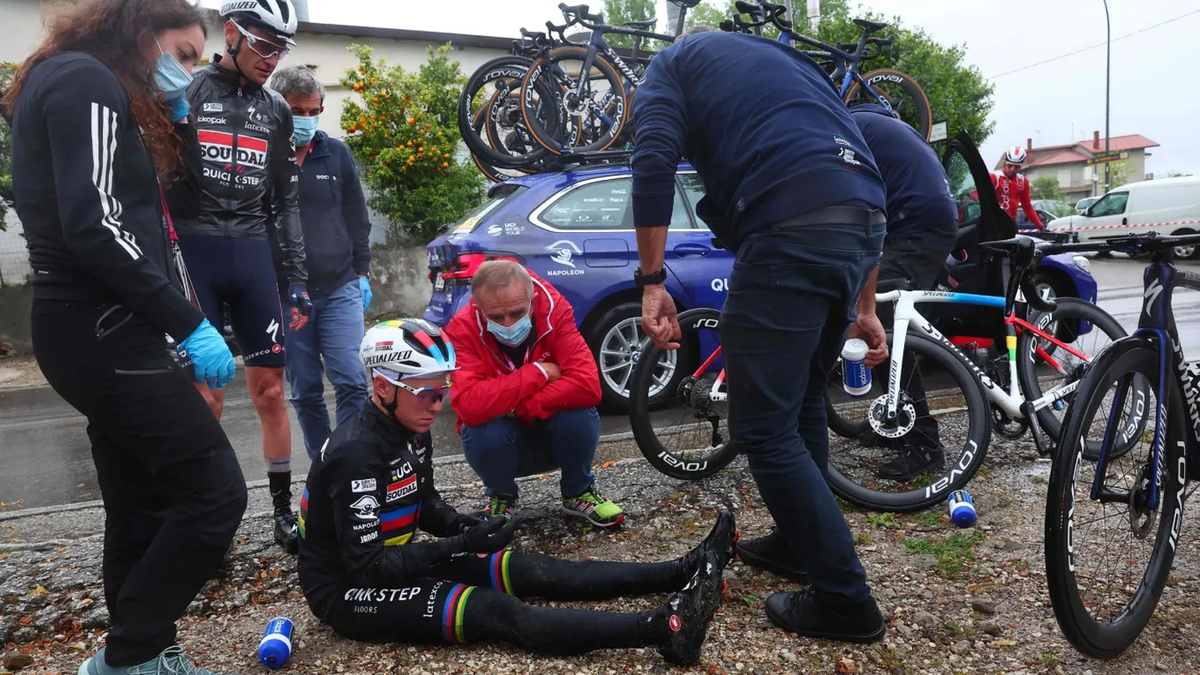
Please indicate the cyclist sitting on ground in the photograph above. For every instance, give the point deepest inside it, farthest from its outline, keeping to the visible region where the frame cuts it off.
(921, 231)
(248, 174)
(370, 491)
(1012, 188)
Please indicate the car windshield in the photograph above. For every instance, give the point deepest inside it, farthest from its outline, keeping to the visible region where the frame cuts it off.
(500, 195)
(1110, 204)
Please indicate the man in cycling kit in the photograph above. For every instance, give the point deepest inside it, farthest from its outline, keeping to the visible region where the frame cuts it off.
(1012, 188)
(921, 231)
(247, 176)
(371, 489)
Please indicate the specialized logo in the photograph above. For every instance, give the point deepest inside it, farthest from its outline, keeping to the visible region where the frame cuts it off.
(365, 485)
(365, 508)
(225, 148)
(564, 250)
(1151, 294)
(273, 331)
(402, 489)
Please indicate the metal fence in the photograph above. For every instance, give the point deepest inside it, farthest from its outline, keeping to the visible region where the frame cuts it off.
(14, 257)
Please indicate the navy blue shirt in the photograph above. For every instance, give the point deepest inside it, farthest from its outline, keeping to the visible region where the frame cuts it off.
(333, 214)
(918, 192)
(762, 124)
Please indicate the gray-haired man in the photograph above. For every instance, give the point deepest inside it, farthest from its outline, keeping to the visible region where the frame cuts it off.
(333, 214)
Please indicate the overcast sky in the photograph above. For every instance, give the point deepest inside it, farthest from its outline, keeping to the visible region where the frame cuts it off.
(1052, 103)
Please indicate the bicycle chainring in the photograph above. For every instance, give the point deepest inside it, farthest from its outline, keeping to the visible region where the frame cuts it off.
(906, 417)
(1141, 517)
(1006, 427)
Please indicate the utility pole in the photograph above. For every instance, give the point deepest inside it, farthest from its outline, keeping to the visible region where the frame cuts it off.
(1107, 86)
(814, 15)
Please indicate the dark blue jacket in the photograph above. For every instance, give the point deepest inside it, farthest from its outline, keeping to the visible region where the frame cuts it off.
(918, 192)
(762, 124)
(333, 213)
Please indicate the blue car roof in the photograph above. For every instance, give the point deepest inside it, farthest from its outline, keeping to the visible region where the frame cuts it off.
(570, 176)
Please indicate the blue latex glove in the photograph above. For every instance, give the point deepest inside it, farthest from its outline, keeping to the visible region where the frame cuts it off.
(212, 363)
(298, 296)
(179, 108)
(365, 287)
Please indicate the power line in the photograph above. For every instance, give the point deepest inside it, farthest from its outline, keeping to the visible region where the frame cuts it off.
(1099, 44)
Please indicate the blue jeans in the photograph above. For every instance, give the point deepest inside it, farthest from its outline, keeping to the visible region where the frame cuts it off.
(495, 448)
(333, 333)
(791, 299)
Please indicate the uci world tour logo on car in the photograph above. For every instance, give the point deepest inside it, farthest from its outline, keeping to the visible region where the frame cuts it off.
(564, 252)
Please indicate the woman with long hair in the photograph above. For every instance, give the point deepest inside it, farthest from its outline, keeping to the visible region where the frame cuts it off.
(92, 114)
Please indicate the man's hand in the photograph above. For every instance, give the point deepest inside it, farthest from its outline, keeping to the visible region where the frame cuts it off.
(659, 318)
(553, 372)
(298, 321)
(869, 329)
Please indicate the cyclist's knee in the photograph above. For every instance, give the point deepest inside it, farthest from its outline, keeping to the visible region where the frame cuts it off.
(266, 391)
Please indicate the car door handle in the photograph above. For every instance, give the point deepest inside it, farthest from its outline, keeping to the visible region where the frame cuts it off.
(1124, 221)
(689, 250)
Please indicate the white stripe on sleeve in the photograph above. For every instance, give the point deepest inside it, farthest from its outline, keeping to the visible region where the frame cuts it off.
(104, 150)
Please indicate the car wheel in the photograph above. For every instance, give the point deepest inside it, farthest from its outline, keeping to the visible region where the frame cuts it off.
(616, 340)
(1184, 252)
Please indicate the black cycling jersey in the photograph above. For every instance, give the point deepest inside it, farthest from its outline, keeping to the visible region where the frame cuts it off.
(247, 165)
(85, 193)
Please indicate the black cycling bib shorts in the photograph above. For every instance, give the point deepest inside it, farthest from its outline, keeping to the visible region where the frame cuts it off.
(239, 273)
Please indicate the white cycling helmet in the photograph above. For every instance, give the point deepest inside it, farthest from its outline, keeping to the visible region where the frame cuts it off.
(1015, 155)
(276, 16)
(406, 348)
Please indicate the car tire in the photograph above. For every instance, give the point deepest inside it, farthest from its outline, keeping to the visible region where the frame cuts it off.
(609, 337)
(1185, 252)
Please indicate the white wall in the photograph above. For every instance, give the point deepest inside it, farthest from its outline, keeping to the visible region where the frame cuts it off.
(20, 28)
(332, 58)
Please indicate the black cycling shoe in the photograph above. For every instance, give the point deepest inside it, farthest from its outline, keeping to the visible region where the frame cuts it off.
(719, 540)
(689, 611)
(287, 532)
(872, 439)
(911, 461)
(769, 553)
(802, 613)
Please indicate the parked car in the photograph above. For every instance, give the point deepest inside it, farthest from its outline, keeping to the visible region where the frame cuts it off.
(1167, 206)
(1055, 207)
(571, 229)
(1083, 204)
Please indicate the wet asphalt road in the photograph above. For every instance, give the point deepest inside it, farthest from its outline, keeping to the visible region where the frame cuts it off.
(46, 458)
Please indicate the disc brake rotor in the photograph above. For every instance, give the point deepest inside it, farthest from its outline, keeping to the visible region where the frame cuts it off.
(906, 418)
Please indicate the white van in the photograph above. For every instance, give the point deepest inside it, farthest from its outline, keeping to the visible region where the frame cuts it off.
(1167, 206)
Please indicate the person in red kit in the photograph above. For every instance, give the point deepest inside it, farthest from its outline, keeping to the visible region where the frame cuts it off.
(1013, 188)
(526, 379)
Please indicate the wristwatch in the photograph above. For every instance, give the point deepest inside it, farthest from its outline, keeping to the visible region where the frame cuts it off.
(643, 280)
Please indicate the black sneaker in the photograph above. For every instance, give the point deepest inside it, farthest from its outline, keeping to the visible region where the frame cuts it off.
(770, 553)
(912, 460)
(802, 613)
(719, 540)
(287, 532)
(689, 612)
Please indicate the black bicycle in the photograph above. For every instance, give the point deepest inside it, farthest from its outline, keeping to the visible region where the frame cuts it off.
(893, 89)
(1113, 518)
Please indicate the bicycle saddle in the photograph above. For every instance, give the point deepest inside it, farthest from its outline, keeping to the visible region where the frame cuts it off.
(870, 26)
(641, 24)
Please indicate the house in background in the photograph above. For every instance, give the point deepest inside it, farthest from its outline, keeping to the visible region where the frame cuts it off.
(1068, 164)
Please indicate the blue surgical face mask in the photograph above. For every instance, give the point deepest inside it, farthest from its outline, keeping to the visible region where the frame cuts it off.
(304, 128)
(171, 78)
(511, 335)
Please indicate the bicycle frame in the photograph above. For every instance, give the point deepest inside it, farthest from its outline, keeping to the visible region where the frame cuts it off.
(1012, 402)
(1157, 322)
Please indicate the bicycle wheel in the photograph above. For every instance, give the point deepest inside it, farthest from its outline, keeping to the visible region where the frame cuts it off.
(1107, 560)
(941, 406)
(497, 174)
(593, 109)
(494, 88)
(902, 92)
(1043, 366)
(688, 434)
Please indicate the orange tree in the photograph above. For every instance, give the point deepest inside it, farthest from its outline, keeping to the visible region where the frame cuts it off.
(403, 131)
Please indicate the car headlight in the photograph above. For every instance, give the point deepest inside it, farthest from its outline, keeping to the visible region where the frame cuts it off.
(1082, 263)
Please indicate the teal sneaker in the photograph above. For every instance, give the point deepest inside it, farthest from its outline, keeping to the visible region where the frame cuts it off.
(171, 661)
(594, 507)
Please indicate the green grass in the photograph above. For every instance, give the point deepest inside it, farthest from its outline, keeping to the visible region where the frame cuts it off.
(955, 554)
(955, 629)
(929, 518)
(883, 520)
(1049, 659)
(1039, 480)
(847, 507)
(862, 539)
(1019, 563)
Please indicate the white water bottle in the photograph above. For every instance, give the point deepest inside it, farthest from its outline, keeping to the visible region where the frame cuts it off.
(856, 376)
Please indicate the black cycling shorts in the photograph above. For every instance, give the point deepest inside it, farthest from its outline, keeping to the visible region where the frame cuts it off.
(239, 273)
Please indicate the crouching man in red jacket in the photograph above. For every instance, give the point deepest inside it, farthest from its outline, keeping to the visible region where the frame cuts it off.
(526, 379)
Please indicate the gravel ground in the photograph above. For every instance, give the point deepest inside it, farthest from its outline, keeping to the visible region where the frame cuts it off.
(971, 601)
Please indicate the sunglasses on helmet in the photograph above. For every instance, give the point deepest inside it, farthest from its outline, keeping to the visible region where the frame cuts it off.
(262, 46)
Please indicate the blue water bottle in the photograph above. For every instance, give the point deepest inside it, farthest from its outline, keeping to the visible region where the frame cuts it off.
(856, 376)
(962, 508)
(276, 645)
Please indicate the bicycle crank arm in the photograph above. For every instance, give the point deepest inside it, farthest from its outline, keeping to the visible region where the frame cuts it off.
(1040, 439)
